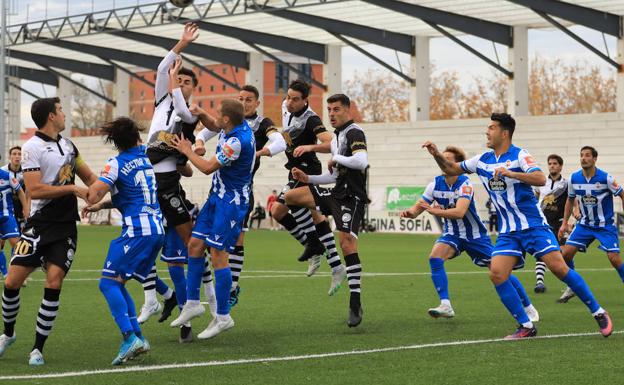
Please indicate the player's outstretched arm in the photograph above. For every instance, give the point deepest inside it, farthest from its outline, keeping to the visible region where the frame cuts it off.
(324, 147)
(208, 121)
(276, 144)
(189, 35)
(415, 210)
(207, 166)
(96, 192)
(567, 212)
(533, 178)
(457, 212)
(447, 167)
(86, 175)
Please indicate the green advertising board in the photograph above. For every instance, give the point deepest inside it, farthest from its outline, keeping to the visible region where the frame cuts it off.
(402, 197)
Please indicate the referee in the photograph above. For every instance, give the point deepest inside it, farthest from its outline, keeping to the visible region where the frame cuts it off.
(50, 163)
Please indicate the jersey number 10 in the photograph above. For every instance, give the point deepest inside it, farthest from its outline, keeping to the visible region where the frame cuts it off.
(146, 178)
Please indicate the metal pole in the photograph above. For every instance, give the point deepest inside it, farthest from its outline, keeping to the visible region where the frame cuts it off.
(3, 128)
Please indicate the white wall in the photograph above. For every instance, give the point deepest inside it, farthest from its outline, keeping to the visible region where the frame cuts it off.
(397, 160)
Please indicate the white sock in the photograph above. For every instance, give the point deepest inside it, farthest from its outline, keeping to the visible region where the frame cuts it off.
(446, 302)
(150, 296)
(528, 325)
(168, 294)
(192, 302)
(209, 291)
(223, 317)
(529, 308)
(338, 268)
(599, 311)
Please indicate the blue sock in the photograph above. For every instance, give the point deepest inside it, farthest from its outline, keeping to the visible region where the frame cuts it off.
(620, 271)
(438, 276)
(179, 283)
(580, 288)
(131, 312)
(509, 296)
(570, 264)
(524, 297)
(161, 286)
(116, 303)
(194, 277)
(3, 265)
(223, 284)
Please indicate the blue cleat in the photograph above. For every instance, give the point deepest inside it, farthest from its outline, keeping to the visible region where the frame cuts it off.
(130, 347)
(234, 296)
(35, 358)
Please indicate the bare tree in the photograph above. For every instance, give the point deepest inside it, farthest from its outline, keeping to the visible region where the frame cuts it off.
(380, 96)
(88, 111)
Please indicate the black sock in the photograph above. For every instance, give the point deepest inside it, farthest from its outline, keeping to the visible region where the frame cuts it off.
(354, 277)
(326, 236)
(10, 309)
(46, 316)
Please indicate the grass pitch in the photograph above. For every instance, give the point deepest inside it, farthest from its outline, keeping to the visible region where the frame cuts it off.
(287, 328)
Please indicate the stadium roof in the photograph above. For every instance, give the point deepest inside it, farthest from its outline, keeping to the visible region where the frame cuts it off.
(138, 36)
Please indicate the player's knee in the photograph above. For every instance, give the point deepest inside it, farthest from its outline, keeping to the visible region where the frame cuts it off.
(615, 259)
(278, 211)
(348, 244)
(196, 247)
(498, 276)
(219, 259)
(54, 282)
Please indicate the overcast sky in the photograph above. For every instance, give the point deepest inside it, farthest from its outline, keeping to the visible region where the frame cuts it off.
(444, 54)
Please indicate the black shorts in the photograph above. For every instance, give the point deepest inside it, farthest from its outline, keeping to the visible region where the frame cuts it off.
(348, 213)
(249, 211)
(291, 185)
(42, 243)
(172, 199)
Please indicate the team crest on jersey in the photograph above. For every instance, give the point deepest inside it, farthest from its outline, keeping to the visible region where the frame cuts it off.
(227, 150)
(346, 217)
(466, 190)
(66, 174)
(530, 161)
(106, 170)
(589, 200)
(508, 163)
(497, 185)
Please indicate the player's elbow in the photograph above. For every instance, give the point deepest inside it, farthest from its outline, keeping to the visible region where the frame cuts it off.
(93, 197)
(540, 179)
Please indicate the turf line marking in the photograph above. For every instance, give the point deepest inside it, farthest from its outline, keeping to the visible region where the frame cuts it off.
(284, 358)
(318, 275)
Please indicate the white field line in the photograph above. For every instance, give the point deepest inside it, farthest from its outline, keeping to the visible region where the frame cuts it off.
(300, 274)
(245, 361)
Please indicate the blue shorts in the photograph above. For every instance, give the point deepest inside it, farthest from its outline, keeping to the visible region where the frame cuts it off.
(479, 250)
(9, 227)
(128, 256)
(174, 250)
(219, 223)
(582, 236)
(537, 241)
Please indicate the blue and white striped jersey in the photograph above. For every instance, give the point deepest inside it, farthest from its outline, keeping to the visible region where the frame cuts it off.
(595, 197)
(7, 186)
(133, 189)
(515, 202)
(236, 151)
(470, 226)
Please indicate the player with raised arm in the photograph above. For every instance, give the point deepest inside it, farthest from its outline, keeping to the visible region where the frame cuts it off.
(508, 174)
(50, 163)
(220, 220)
(269, 142)
(129, 178)
(346, 201)
(173, 116)
(593, 189)
(463, 231)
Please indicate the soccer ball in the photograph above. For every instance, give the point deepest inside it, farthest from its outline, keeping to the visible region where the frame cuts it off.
(181, 3)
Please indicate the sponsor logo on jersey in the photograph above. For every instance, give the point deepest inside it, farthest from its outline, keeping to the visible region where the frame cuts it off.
(589, 200)
(497, 185)
(466, 190)
(227, 150)
(530, 161)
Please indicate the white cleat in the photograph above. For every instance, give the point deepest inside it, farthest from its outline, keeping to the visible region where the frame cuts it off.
(5, 342)
(148, 310)
(188, 313)
(35, 358)
(442, 311)
(532, 313)
(313, 265)
(217, 326)
(338, 276)
(567, 295)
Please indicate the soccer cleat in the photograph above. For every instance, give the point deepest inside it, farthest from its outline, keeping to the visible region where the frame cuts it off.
(188, 313)
(313, 265)
(566, 296)
(170, 304)
(5, 342)
(442, 311)
(233, 298)
(186, 334)
(522, 332)
(148, 310)
(311, 250)
(539, 288)
(532, 313)
(216, 326)
(129, 348)
(605, 324)
(338, 275)
(355, 317)
(35, 358)
(145, 348)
